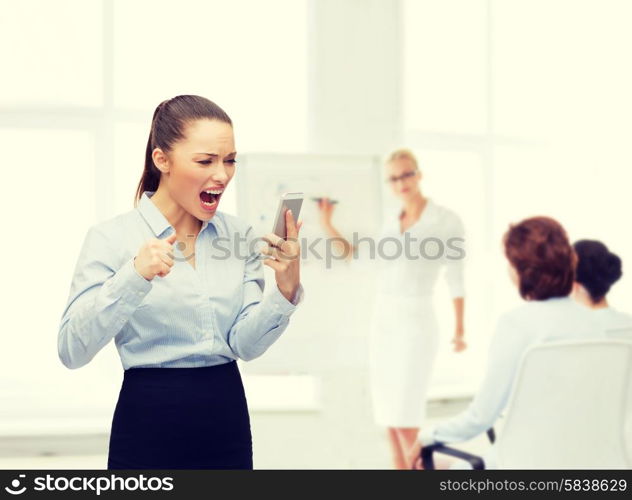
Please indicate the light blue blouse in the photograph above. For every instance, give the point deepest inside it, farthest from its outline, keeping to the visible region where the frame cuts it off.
(205, 316)
(533, 322)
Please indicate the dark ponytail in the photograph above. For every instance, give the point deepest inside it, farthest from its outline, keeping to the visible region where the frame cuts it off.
(167, 127)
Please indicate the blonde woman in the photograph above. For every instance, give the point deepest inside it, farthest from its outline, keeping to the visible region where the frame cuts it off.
(404, 333)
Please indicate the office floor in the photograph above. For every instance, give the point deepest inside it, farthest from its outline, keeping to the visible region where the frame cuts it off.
(340, 436)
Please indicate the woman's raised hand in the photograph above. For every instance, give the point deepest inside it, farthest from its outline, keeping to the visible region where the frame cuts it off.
(285, 257)
(155, 257)
(326, 209)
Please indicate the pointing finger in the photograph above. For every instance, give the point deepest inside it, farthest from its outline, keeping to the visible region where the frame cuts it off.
(171, 238)
(290, 225)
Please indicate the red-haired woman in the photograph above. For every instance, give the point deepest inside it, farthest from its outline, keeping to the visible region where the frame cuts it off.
(542, 266)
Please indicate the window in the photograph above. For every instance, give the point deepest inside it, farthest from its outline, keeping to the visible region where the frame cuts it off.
(256, 71)
(540, 91)
(445, 66)
(46, 64)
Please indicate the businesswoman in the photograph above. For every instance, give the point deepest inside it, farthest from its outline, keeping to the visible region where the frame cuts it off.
(178, 285)
(542, 267)
(404, 334)
(597, 270)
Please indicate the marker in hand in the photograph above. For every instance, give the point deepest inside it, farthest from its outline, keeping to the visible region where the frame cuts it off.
(318, 200)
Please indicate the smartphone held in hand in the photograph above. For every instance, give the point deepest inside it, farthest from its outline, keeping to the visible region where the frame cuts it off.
(293, 201)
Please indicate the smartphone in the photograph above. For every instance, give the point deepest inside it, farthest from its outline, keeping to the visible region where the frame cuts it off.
(293, 201)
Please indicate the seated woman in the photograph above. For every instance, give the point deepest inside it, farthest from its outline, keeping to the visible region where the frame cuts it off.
(597, 270)
(542, 266)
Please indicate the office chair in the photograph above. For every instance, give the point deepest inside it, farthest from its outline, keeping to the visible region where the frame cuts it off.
(570, 408)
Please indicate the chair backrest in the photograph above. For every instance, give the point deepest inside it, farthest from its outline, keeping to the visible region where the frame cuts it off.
(570, 408)
(623, 333)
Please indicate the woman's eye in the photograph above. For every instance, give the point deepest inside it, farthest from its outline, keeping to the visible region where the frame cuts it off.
(208, 162)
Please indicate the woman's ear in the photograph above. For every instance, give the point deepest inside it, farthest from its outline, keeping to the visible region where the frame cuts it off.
(160, 160)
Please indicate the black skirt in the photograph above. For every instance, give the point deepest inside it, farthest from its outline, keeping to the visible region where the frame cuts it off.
(181, 418)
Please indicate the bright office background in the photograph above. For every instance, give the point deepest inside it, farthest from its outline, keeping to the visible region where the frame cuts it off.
(514, 107)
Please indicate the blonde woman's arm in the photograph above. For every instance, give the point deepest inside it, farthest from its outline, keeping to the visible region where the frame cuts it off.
(341, 244)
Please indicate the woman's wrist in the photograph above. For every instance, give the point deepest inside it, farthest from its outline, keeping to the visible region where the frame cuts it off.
(289, 293)
(328, 227)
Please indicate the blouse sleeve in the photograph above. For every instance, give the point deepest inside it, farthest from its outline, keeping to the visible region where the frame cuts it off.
(262, 319)
(506, 349)
(102, 299)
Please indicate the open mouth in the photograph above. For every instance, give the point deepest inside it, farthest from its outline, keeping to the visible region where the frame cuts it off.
(209, 199)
